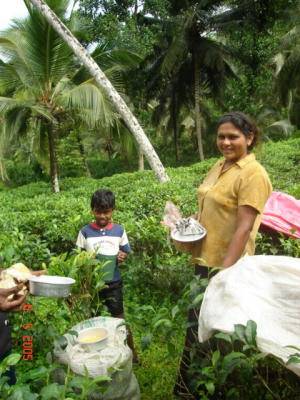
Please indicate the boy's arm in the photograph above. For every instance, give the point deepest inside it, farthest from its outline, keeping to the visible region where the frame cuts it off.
(81, 241)
(124, 248)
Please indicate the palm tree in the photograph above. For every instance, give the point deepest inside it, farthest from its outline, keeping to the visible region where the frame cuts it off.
(118, 64)
(39, 89)
(102, 81)
(193, 62)
(287, 72)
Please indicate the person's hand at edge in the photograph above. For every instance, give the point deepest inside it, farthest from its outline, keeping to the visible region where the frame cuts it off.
(39, 273)
(11, 305)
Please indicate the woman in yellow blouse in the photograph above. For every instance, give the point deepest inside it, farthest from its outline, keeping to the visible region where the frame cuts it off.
(231, 200)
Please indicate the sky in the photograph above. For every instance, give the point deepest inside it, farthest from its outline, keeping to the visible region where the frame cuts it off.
(10, 9)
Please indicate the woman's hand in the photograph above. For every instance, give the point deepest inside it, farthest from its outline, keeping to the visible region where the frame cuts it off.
(14, 304)
(246, 216)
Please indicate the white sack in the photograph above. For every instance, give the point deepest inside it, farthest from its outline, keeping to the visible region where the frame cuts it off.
(265, 289)
(114, 360)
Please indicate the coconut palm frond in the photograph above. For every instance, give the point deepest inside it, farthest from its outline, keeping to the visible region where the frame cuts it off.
(113, 62)
(288, 77)
(278, 61)
(284, 126)
(9, 41)
(290, 39)
(13, 49)
(15, 123)
(49, 55)
(266, 114)
(62, 85)
(124, 59)
(8, 105)
(87, 97)
(178, 49)
(40, 111)
(9, 78)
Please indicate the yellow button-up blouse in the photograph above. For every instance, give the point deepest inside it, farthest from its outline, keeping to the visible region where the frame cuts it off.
(245, 183)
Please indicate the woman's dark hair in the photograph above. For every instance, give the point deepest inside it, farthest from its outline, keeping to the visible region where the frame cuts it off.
(103, 199)
(242, 122)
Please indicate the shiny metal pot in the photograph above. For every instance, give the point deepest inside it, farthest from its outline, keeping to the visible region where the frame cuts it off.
(50, 286)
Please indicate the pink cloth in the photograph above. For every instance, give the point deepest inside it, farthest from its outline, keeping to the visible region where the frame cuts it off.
(282, 213)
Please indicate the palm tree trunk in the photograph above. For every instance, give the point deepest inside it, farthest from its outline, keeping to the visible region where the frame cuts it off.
(136, 8)
(3, 174)
(197, 105)
(174, 123)
(141, 160)
(82, 153)
(53, 158)
(102, 80)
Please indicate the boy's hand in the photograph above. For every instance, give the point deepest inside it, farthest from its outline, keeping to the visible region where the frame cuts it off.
(11, 305)
(121, 257)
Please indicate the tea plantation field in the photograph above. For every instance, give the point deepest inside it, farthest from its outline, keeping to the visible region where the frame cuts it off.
(39, 228)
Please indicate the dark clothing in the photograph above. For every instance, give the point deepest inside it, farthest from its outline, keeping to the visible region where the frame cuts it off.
(181, 387)
(5, 344)
(5, 338)
(113, 298)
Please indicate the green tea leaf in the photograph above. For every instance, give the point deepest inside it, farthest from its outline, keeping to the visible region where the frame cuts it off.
(210, 387)
(250, 332)
(223, 336)
(215, 357)
(12, 359)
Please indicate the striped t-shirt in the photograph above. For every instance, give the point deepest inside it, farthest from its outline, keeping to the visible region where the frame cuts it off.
(105, 243)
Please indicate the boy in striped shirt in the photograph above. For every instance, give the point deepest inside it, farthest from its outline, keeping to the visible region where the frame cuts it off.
(110, 244)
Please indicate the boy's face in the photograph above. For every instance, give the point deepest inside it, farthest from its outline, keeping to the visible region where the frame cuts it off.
(103, 217)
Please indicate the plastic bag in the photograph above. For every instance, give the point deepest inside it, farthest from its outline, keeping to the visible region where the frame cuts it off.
(265, 289)
(115, 360)
(182, 229)
(171, 215)
(282, 213)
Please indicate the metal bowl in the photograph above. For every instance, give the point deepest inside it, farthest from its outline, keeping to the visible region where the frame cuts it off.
(50, 286)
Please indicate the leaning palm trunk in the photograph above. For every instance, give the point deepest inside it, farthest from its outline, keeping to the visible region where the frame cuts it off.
(197, 106)
(102, 80)
(53, 158)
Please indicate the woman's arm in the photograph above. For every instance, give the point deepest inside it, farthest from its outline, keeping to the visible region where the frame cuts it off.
(245, 220)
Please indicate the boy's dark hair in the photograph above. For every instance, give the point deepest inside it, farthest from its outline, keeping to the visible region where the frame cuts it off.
(103, 199)
(242, 122)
